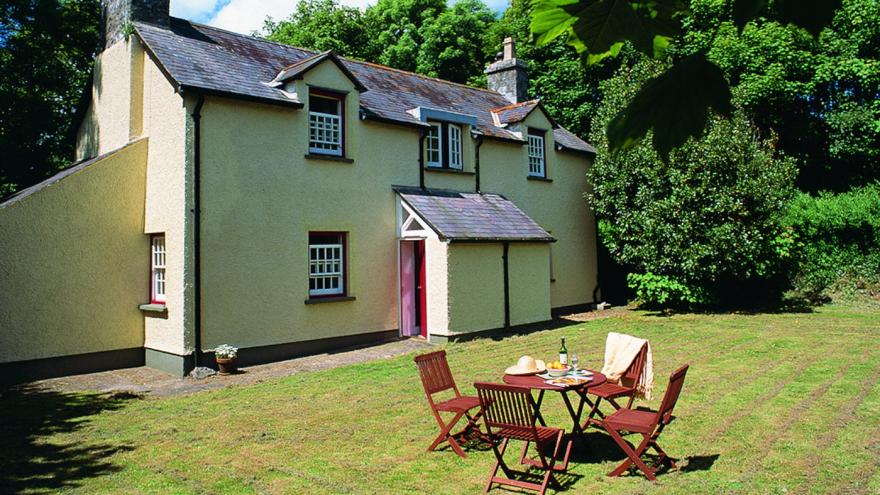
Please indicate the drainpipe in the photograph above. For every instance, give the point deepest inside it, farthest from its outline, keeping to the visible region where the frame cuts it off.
(479, 138)
(422, 138)
(197, 231)
(506, 245)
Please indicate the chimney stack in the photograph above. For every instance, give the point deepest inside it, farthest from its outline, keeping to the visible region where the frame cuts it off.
(117, 16)
(507, 75)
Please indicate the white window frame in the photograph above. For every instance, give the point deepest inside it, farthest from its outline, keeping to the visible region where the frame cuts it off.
(327, 268)
(537, 161)
(158, 279)
(435, 137)
(326, 130)
(456, 158)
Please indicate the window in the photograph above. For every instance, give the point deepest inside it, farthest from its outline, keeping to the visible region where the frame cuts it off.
(157, 269)
(444, 152)
(455, 147)
(536, 154)
(326, 121)
(326, 264)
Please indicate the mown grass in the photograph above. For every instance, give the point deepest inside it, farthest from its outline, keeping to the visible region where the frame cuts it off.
(773, 403)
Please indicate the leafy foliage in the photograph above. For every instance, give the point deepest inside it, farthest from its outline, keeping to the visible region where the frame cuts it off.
(838, 238)
(662, 291)
(598, 29)
(323, 25)
(46, 50)
(708, 218)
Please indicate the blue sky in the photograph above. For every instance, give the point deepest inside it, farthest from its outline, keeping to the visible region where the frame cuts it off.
(245, 16)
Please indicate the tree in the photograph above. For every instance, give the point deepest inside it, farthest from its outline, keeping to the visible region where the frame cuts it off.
(46, 53)
(324, 25)
(395, 26)
(706, 219)
(821, 96)
(675, 104)
(452, 44)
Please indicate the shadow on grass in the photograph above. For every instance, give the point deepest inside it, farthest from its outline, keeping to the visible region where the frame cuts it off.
(774, 309)
(31, 459)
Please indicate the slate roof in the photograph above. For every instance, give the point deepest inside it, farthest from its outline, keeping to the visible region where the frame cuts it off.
(461, 216)
(516, 112)
(201, 57)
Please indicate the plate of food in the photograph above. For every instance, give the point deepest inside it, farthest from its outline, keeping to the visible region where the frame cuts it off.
(568, 381)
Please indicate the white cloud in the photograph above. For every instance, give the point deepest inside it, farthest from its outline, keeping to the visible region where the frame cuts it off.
(197, 10)
(246, 16)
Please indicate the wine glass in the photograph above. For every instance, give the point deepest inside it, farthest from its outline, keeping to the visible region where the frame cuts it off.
(574, 363)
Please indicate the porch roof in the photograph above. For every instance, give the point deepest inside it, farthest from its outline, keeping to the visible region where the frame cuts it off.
(463, 216)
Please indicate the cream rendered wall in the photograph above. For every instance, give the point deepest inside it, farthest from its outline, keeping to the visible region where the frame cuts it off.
(111, 120)
(529, 273)
(261, 198)
(558, 206)
(437, 280)
(167, 206)
(73, 262)
(476, 287)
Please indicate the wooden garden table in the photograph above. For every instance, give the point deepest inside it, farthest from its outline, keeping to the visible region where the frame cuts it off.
(535, 382)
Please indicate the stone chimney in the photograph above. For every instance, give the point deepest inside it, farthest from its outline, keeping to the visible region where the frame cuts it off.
(117, 16)
(507, 75)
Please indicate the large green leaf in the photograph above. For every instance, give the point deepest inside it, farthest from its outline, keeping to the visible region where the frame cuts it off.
(812, 15)
(599, 27)
(675, 105)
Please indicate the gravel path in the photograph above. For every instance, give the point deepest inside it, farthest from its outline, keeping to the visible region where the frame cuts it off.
(148, 381)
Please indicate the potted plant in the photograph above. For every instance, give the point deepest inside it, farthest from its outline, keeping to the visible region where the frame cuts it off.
(227, 358)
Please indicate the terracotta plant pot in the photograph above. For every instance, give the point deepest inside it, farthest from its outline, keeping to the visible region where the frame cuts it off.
(227, 365)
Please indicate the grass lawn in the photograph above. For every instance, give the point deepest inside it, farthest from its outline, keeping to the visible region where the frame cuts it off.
(773, 403)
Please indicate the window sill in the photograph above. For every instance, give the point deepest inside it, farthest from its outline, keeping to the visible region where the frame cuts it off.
(539, 179)
(322, 300)
(153, 308)
(444, 170)
(329, 158)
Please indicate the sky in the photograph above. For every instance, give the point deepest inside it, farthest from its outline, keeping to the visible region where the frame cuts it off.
(246, 16)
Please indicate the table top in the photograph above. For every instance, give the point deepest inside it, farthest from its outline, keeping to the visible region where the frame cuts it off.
(538, 383)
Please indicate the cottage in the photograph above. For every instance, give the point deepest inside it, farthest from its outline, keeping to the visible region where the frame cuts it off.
(229, 189)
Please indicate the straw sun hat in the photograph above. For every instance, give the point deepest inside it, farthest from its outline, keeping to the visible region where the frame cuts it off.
(527, 365)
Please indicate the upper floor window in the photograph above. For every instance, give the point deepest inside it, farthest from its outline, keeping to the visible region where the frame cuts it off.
(326, 264)
(157, 269)
(326, 123)
(537, 162)
(443, 146)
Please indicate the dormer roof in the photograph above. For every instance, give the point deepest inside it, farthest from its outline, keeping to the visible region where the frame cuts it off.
(299, 68)
(518, 112)
(202, 58)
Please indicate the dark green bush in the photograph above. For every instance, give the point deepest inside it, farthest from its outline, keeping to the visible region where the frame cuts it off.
(702, 225)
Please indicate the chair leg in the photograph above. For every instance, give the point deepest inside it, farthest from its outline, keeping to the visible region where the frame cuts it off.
(633, 456)
(445, 435)
(499, 462)
(594, 410)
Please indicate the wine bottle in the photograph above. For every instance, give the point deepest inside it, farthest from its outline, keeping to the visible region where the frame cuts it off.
(563, 353)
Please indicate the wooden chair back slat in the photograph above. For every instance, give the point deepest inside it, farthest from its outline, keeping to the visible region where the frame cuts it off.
(435, 373)
(637, 367)
(670, 398)
(506, 406)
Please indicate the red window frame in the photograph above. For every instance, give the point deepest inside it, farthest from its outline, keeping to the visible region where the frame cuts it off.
(330, 94)
(344, 241)
(155, 298)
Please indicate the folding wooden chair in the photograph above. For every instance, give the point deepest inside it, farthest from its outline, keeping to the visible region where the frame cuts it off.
(509, 412)
(650, 424)
(436, 377)
(613, 391)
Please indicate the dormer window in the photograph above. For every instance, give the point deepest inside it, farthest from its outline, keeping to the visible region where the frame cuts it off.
(537, 162)
(326, 123)
(443, 146)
